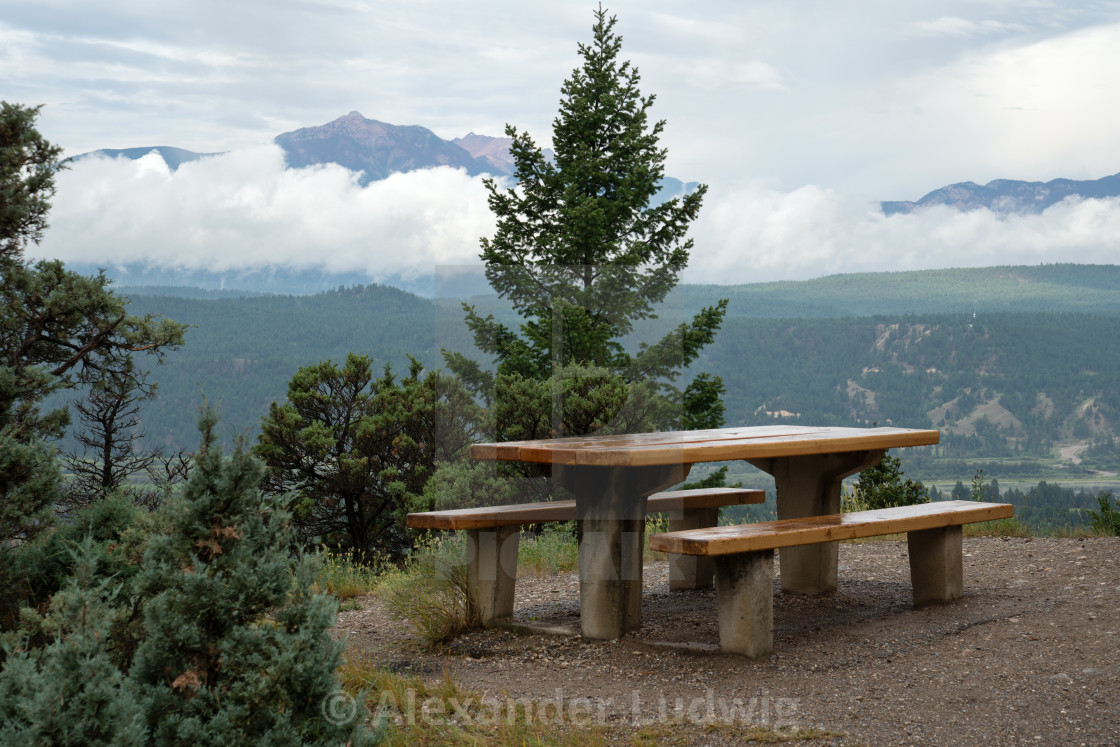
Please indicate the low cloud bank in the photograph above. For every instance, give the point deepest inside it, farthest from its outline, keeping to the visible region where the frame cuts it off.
(754, 234)
(245, 210)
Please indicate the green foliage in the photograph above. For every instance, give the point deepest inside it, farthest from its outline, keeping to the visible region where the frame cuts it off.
(882, 486)
(355, 452)
(579, 252)
(29, 479)
(28, 164)
(70, 692)
(466, 484)
(237, 648)
(234, 643)
(55, 322)
(703, 403)
(47, 564)
(576, 401)
(717, 479)
(1106, 520)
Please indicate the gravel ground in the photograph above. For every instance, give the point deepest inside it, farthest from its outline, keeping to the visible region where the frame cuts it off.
(1030, 655)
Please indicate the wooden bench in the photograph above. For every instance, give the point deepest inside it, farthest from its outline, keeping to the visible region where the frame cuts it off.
(493, 533)
(744, 556)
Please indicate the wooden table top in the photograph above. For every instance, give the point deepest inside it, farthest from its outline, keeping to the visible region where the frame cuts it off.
(691, 447)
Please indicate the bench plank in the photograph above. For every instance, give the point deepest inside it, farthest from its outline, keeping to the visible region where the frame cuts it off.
(485, 517)
(691, 447)
(770, 535)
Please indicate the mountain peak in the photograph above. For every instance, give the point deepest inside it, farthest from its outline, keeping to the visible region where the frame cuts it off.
(377, 149)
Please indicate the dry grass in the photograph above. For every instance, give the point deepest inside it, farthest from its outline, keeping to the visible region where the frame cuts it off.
(346, 578)
(417, 713)
(998, 528)
(772, 735)
(550, 552)
(430, 592)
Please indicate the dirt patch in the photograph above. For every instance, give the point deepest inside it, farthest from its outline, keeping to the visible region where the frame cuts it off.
(1031, 654)
(992, 411)
(1071, 453)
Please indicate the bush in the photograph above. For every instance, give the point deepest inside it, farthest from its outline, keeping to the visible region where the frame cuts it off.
(70, 692)
(1107, 520)
(431, 593)
(48, 563)
(882, 486)
(234, 643)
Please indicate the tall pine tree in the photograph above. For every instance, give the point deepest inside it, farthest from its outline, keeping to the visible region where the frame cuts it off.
(580, 250)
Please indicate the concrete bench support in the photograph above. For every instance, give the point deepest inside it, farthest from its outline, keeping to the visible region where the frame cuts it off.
(810, 486)
(492, 570)
(691, 571)
(610, 523)
(935, 565)
(745, 598)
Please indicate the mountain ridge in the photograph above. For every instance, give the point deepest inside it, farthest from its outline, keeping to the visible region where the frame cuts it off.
(1008, 195)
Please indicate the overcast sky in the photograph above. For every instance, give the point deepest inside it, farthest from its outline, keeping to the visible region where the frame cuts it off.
(799, 115)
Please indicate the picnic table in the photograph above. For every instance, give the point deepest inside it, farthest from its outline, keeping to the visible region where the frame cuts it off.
(610, 478)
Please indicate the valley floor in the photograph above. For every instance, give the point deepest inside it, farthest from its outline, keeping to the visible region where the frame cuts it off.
(1031, 654)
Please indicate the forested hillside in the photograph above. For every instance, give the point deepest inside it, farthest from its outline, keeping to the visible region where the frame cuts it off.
(999, 385)
(1007, 384)
(241, 352)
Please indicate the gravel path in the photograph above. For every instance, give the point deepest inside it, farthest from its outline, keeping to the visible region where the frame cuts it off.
(1030, 655)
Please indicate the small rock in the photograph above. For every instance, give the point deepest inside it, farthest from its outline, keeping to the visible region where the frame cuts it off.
(1060, 677)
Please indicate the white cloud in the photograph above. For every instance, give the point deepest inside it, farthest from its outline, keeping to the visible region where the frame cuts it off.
(755, 234)
(244, 209)
(714, 73)
(962, 27)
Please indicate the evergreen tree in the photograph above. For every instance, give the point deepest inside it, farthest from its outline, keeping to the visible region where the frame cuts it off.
(237, 647)
(110, 455)
(1106, 521)
(356, 451)
(960, 492)
(28, 164)
(703, 403)
(579, 250)
(883, 486)
(70, 692)
(53, 324)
